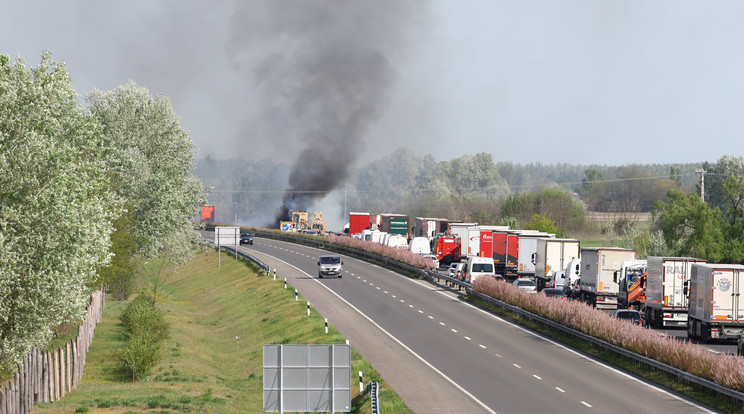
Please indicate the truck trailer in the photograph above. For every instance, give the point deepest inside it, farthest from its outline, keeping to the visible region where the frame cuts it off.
(666, 301)
(552, 256)
(394, 224)
(358, 222)
(598, 266)
(506, 253)
(527, 251)
(460, 230)
(716, 310)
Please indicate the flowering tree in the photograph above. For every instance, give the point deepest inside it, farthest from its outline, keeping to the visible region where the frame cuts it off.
(152, 161)
(57, 208)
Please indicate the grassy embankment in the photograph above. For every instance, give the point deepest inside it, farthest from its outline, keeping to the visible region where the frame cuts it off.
(220, 319)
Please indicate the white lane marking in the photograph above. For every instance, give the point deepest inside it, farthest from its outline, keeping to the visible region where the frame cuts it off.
(393, 296)
(482, 346)
(468, 338)
(441, 323)
(378, 288)
(559, 389)
(516, 365)
(536, 376)
(417, 356)
(364, 280)
(385, 291)
(453, 330)
(420, 311)
(431, 317)
(586, 403)
(402, 301)
(410, 306)
(565, 348)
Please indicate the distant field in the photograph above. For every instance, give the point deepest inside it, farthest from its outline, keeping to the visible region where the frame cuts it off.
(220, 319)
(638, 217)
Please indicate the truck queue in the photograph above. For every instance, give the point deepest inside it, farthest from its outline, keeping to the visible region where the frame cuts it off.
(704, 298)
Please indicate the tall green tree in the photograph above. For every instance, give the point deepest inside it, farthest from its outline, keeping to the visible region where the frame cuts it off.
(152, 162)
(56, 208)
(690, 227)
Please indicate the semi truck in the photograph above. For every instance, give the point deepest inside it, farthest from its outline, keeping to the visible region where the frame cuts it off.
(447, 249)
(598, 266)
(506, 253)
(527, 251)
(631, 281)
(716, 310)
(460, 230)
(666, 301)
(358, 222)
(394, 224)
(552, 256)
(480, 241)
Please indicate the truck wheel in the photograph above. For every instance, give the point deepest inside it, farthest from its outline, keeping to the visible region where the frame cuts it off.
(690, 333)
(658, 319)
(705, 333)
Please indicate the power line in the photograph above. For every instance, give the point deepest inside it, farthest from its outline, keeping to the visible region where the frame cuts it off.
(472, 189)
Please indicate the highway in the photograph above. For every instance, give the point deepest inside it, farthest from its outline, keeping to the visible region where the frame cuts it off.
(443, 355)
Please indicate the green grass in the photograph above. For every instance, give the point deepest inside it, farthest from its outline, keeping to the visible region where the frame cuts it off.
(220, 319)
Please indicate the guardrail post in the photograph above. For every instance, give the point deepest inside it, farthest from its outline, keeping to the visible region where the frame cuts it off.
(326, 326)
(361, 384)
(308, 308)
(274, 274)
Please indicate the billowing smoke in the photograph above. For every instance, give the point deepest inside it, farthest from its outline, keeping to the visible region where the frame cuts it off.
(323, 71)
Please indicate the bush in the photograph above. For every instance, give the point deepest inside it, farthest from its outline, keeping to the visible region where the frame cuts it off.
(141, 317)
(724, 369)
(146, 331)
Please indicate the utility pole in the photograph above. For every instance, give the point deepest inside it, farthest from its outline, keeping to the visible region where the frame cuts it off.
(702, 173)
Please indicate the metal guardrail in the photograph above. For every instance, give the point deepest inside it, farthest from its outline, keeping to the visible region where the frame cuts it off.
(436, 277)
(374, 397)
(244, 255)
(668, 369)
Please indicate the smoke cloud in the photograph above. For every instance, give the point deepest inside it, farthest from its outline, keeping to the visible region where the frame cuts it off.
(324, 74)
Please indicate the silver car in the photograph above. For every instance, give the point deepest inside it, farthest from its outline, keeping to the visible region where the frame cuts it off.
(329, 266)
(526, 284)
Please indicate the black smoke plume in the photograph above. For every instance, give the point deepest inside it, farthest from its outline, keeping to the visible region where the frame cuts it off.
(324, 76)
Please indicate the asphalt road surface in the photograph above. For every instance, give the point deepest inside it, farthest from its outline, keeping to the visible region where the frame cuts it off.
(443, 355)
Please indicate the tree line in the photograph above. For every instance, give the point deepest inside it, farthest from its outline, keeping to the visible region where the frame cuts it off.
(88, 193)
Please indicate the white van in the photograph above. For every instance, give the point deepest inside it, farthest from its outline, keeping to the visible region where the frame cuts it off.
(420, 245)
(477, 267)
(330, 266)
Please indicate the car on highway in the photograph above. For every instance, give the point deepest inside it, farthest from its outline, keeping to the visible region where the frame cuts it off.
(245, 238)
(330, 265)
(630, 315)
(455, 269)
(554, 293)
(433, 258)
(526, 285)
(499, 278)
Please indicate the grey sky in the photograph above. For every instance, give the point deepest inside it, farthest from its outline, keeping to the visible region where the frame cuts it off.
(581, 82)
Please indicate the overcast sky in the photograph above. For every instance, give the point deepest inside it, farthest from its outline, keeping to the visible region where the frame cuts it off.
(581, 82)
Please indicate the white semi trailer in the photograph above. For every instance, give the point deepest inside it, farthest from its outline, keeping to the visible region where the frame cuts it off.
(716, 307)
(553, 255)
(666, 301)
(598, 266)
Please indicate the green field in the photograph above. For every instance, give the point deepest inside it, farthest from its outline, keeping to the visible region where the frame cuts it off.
(220, 319)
